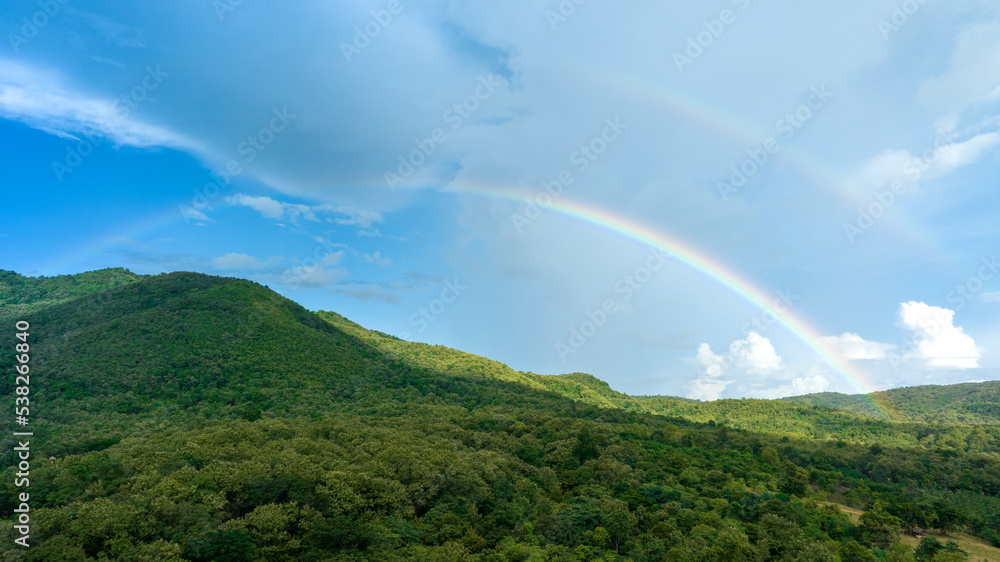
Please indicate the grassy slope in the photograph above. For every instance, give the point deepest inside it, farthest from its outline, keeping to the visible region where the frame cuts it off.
(978, 549)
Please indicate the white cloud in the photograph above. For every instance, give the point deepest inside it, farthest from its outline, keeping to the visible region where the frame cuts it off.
(706, 389)
(990, 297)
(267, 207)
(272, 209)
(352, 216)
(936, 339)
(194, 214)
(931, 163)
(42, 100)
(753, 356)
(709, 386)
(713, 363)
(280, 210)
(810, 384)
(956, 155)
(852, 346)
(377, 258)
(755, 353)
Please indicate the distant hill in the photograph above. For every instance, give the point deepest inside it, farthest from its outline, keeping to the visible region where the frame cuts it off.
(966, 403)
(786, 417)
(202, 418)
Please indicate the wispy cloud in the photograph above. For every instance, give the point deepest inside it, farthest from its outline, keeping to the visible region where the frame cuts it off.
(352, 216)
(972, 75)
(932, 163)
(195, 215)
(41, 99)
(280, 210)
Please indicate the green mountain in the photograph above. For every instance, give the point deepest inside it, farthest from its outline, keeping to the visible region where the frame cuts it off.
(200, 418)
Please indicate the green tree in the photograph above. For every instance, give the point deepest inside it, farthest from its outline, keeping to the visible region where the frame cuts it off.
(879, 527)
(931, 550)
(793, 480)
(852, 551)
(947, 516)
(770, 456)
(732, 545)
(586, 445)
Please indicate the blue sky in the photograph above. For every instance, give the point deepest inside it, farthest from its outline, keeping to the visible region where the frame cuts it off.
(373, 159)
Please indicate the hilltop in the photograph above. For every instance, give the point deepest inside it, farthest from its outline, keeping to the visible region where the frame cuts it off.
(21, 295)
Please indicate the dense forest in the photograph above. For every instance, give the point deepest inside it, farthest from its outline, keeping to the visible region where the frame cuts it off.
(200, 418)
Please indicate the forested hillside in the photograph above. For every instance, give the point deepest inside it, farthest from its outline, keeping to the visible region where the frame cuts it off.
(201, 418)
(968, 403)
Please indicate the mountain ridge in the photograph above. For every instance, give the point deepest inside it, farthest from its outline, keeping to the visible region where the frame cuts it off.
(577, 386)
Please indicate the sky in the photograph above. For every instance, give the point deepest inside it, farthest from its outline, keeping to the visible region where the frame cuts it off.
(715, 199)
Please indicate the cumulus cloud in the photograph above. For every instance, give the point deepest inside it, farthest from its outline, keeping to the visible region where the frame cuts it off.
(935, 338)
(707, 389)
(810, 384)
(713, 363)
(753, 356)
(710, 385)
(852, 346)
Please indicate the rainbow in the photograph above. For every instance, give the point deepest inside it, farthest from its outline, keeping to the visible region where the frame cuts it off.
(702, 263)
(629, 229)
